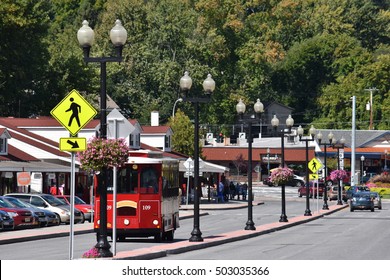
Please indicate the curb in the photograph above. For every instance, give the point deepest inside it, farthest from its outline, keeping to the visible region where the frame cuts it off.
(210, 241)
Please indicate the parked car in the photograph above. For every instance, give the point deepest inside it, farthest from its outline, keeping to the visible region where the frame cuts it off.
(42, 221)
(6, 221)
(52, 218)
(22, 217)
(377, 200)
(362, 201)
(333, 193)
(47, 201)
(46, 217)
(297, 181)
(80, 204)
(352, 190)
(312, 189)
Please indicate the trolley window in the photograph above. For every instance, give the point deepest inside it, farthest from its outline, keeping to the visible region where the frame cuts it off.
(127, 180)
(149, 180)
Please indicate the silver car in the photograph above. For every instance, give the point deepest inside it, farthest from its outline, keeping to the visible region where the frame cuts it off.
(49, 202)
(377, 200)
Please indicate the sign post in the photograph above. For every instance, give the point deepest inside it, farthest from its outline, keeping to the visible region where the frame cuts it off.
(189, 165)
(315, 165)
(73, 113)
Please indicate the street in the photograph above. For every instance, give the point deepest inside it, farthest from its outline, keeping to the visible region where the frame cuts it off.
(338, 232)
(361, 235)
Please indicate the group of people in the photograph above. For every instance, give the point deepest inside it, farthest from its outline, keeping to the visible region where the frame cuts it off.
(223, 191)
(229, 190)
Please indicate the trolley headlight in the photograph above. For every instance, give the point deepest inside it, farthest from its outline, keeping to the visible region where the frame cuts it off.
(155, 222)
(126, 222)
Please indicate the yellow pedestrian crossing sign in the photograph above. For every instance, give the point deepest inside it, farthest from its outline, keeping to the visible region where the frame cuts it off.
(73, 144)
(314, 165)
(73, 112)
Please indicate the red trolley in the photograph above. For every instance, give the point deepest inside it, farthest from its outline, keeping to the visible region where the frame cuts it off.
(147, 198)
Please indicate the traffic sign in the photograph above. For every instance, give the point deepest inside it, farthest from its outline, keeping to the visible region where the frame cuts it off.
(23, 178)
(73, 112)
(314, 165)
(73, 144)
(313, 176)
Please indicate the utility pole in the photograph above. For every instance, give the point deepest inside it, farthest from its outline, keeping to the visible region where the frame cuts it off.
(369, 105)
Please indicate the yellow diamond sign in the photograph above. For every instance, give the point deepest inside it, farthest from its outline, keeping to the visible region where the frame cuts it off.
(314, 165)
(73, 112)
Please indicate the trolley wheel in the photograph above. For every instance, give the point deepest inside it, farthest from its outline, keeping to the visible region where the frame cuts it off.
(158, 237)
(170, 235)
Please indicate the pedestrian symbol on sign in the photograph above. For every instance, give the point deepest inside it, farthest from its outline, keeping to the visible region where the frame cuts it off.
(76, 109)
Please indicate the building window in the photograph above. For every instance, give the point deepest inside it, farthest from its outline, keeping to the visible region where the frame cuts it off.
(135, 140)
(167, 141)
(3, 146)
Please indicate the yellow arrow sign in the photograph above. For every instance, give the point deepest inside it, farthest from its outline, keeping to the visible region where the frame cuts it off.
(73, 144)
(73, 112)
(313, 176)
(314, 165)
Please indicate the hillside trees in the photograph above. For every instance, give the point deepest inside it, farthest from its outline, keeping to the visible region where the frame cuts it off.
(311, 55)
(23, 55)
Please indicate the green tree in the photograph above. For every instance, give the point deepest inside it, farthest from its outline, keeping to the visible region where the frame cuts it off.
(183, 134)
(23, 55)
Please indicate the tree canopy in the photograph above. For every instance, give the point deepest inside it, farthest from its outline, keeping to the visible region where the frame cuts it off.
(310, 55)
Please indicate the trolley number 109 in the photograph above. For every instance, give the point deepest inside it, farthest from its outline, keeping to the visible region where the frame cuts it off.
(146, 207)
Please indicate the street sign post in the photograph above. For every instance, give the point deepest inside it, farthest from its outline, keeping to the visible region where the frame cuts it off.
(73, 112)
(315, 165)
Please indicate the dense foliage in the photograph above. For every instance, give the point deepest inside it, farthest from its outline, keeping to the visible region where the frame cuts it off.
(311, 55)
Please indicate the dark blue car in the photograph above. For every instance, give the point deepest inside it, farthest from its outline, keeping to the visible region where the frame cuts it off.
(361, 201)
(355, 189)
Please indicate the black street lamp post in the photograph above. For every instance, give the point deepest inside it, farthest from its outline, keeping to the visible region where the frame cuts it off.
(289, 124)
(362, 158)
(312, 132)
(208, 87)
(330, 138)
(268, 154)
(339, 145)
(118, 36)
(259, 109)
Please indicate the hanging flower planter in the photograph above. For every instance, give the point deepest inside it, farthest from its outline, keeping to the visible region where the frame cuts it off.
(280, 176)
(104, 153)
(337, 175)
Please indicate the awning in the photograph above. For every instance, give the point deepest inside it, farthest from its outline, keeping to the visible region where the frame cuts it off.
(207, 167)
(36, 166)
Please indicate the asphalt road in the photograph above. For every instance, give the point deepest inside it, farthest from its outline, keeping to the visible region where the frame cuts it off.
(222, 221)
(361, 235)
(216, 222)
